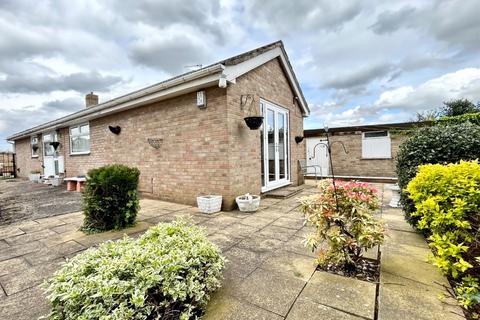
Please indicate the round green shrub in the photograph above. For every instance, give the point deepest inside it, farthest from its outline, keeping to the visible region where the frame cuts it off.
(110, 198)
(431, 145)
(167, 273)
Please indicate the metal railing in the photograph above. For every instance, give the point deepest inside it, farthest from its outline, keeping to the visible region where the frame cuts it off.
(7, 165)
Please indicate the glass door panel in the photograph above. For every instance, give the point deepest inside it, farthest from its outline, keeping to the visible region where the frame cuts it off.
(271, 130)
(274, 135)
(281, 145)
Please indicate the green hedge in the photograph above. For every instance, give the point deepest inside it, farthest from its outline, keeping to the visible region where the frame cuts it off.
(447, 201)
(437, 144)
(473, 118)
(167, 273)
(110, 198)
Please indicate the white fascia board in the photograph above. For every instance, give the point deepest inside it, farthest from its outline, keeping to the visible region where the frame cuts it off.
(235, 71)
(176, 87)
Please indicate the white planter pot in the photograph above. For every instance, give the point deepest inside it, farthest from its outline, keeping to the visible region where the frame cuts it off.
(56, 181)
(395, 201)
(248, 203)
(209, 203)
(34, 177)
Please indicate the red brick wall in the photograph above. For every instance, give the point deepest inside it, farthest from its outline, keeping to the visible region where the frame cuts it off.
(204, 151)
(24, 160)
(269, 83)
(191, 160)
(352, 164)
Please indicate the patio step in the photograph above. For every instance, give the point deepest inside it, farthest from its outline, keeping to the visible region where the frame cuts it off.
(283, 193)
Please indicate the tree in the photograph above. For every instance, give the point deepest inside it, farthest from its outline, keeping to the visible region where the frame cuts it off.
(458, 107)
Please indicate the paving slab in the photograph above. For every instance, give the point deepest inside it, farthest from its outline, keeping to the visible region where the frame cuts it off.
(257, 221)
(15, 282)
(25, 305)
(279, 233)
(295, 244)
(342, 293)
(258, 243)
(292, 264)
(52, 253)
(239, 230)
(241, 263)
(307, 309)
(224, 241)
(20, 250)
(13, 266)
(270, 290)
(230, 308)
(289, 222)
(401, 298)
(7, 232)
(29, 237)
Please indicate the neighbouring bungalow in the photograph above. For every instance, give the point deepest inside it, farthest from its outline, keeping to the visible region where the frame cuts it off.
(364, 152)
(187, 135)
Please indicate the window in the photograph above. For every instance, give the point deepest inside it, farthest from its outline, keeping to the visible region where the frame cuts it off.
(376, 145)
(80, 139)
(34, 146)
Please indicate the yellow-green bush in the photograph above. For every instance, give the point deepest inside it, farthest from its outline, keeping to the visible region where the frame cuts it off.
(447, 201)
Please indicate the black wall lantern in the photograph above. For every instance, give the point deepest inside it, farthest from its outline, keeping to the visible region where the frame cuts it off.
(115, 130)
(55, 145)
(35, 148)
(298, 139)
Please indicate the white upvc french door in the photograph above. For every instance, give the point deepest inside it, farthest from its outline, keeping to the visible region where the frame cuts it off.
(275, 147)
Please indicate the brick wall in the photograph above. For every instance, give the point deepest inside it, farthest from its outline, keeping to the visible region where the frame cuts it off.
(352, 164)
(204, 151)
(24, 160)
(191, 159)
(267, 82)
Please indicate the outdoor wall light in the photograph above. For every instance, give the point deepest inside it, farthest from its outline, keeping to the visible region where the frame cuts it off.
(115, 130)
(201, 100)
(298, 139)
(55, 145)
(222, 82)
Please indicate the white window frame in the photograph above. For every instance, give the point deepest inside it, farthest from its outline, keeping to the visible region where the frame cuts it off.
(368, 157)
(31, 146)
(84, 134)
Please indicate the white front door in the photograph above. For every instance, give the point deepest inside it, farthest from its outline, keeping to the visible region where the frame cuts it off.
(317, 155)
(52, 162)
(275, 147)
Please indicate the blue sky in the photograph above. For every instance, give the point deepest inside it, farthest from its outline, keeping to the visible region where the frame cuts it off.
(358, 62)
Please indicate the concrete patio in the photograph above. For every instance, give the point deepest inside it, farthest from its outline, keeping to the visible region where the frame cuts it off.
(269, 274)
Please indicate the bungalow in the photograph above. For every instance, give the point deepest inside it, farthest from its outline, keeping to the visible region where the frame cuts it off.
(187, 135)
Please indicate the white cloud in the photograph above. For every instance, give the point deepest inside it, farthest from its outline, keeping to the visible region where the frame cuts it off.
(462, 84)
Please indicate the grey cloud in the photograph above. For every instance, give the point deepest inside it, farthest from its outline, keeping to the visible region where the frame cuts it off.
(169, 55)
(390, 21)
(80, 82)
(201, 15)
(358, 78)
(64, 105)
(284, 17)
(15, 120)
(456, 23)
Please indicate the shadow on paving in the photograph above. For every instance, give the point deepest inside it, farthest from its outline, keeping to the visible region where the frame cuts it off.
(24, 200)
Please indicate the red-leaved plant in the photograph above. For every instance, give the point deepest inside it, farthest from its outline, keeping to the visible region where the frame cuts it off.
(343, 218)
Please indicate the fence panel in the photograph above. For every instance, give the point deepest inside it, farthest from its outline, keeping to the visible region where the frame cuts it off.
(7, 165)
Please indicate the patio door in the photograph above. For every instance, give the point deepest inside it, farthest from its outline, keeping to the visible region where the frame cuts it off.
(275, 147)
(52, 162)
